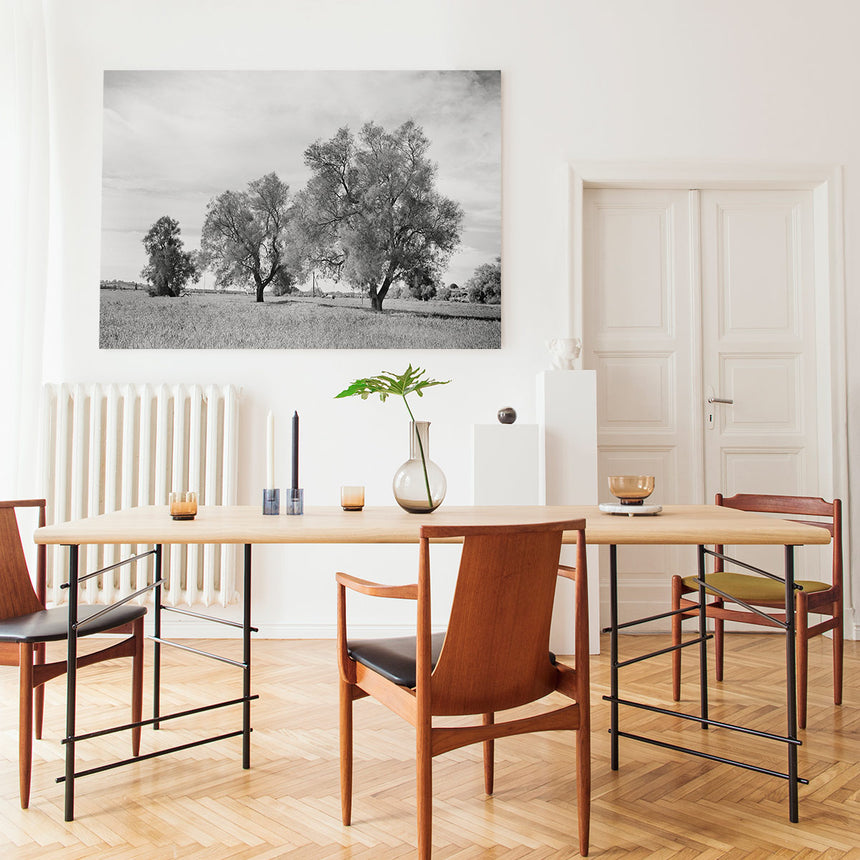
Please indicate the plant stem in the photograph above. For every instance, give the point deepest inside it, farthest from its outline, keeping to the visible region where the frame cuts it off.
(421, 449)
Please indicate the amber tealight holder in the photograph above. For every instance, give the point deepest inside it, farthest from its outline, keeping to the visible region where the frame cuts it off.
(352, 497)
(183, 506)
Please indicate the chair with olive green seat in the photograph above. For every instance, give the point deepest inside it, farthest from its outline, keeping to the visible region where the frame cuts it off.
(819, 598)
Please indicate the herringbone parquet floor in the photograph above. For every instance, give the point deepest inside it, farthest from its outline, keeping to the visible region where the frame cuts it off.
(201, 804)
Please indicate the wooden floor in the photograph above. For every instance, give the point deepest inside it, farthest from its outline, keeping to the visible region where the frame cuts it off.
(201, 804)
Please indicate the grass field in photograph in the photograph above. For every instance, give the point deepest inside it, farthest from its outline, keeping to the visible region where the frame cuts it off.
(134, 320)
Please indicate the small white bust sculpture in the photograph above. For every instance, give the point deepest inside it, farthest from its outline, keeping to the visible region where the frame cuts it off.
(564, 351)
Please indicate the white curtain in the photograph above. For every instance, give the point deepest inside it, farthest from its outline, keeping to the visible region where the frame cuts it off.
(24, 239)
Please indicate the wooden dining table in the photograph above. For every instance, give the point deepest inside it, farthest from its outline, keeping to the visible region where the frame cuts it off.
(699, 525)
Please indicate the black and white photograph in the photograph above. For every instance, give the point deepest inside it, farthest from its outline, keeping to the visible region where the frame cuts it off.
(301, 210)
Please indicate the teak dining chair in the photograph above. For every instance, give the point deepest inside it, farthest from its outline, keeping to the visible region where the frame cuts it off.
(25, 627)
(494, 655)
(820, 598)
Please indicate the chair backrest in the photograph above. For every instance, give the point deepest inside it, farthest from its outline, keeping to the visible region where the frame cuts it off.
(17, 595)
(796, 506)
(496, 651)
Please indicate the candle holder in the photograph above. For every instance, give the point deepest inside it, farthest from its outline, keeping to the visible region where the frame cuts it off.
(183, 506)
(295, 502)
(271, 502)
(352, 497)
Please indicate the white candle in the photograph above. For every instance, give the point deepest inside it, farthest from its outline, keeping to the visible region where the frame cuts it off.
(270, 452)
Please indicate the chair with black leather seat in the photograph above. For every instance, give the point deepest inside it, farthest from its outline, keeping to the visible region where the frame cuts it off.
(25, 627)
(821, 598)
(494, 655)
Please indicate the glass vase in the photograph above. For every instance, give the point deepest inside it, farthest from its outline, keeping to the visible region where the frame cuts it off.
(419, 484)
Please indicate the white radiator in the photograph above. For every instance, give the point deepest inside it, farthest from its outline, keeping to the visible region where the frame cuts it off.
(107, 447)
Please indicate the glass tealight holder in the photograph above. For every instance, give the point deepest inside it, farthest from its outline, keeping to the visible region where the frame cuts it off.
(295, 502)
(271, 502)
(352, 497)
(183, 506)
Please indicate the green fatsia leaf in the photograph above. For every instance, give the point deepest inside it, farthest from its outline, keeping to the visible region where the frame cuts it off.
(388, 383)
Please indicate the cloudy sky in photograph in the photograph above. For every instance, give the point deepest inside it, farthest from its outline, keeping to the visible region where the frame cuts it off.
(173, 140)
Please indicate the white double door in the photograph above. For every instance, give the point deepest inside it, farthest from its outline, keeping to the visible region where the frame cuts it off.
(700, 320)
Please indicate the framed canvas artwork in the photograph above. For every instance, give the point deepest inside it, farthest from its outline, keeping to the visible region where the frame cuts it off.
(301, 210)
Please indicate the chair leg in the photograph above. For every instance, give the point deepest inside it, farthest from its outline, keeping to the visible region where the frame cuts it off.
(25, 721)
(345, 752)
(583, 784)
(802, 640)
(837, 662)
(719, 642)
(137, 685)
(676, 639)
(39, 693)
(489, 757)
(424, 768)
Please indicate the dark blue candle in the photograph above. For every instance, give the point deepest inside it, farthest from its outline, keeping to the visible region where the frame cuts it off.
(295, 484)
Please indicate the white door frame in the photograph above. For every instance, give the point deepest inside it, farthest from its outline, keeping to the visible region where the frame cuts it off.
(826, 184)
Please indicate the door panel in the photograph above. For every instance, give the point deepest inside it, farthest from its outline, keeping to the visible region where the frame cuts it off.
(758, 341)
(767, 394)
(639, 335)
(632, 238)
(779, 471)
(637, 391)
(758, 278)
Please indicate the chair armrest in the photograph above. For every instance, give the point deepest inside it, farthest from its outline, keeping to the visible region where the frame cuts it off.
(567, 571)
(376, 589)
(373, 589)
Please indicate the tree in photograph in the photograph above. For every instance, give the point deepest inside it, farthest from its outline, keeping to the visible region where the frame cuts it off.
(422, 283)
(170, 267)
(371, 212)
(485, 285)
(245, 236)
(284, 283)
(314, 245)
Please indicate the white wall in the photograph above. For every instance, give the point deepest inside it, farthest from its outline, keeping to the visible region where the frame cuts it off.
(773, 81)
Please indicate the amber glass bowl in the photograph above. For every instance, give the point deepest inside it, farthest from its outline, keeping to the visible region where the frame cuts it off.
(631, 489)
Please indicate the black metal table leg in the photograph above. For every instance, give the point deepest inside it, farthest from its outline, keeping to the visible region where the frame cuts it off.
(71, 681)
(246, 660)
(789, 626)
(74, 625)
(791, 683)
(613, 654)
(156, 648)
(703, 643)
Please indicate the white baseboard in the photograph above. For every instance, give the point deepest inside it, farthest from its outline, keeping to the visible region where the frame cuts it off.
(853, 627)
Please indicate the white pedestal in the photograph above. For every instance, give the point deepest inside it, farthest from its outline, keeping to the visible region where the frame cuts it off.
(554, 464)
(567, 405)
(506, 461)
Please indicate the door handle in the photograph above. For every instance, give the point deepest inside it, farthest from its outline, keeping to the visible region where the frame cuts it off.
(720, 400)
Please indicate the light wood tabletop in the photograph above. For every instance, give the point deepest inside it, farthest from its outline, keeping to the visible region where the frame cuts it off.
(677, 524)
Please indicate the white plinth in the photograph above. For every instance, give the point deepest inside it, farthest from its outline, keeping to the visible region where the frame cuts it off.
(567, 406)
(506, 461)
